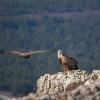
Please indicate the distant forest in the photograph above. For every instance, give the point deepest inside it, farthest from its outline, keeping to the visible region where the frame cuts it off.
(70, 25)
(10, 7)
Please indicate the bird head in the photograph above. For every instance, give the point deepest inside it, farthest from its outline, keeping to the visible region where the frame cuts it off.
(59, 53)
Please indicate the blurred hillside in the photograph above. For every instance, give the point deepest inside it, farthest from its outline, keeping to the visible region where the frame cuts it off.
(14, 7)
(73, 26)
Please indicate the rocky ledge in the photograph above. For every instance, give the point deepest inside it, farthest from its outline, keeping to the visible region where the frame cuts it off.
(75, 85)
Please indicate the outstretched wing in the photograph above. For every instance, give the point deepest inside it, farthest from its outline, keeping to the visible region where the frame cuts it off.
(40, 52)
(17, 53)
(25, 54)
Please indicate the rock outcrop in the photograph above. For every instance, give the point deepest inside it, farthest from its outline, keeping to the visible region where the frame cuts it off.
(75, 85)
(60, 82)
(86, 92)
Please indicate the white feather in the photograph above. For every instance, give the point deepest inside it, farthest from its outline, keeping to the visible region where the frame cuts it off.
(59, 54)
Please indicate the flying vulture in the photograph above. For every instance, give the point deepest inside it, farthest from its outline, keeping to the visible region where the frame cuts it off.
(26, 54)
(67, 62)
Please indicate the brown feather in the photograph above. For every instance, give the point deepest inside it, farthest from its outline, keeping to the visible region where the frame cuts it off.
(25, 54)
(60, 61)
(69, 62)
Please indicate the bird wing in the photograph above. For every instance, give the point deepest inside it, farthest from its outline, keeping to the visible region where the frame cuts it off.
(69, 60)
(36, 52)
(73, 59)
(26, 54)
(18, 53)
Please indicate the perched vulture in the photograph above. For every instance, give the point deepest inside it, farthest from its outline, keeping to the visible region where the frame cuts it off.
(67, 62)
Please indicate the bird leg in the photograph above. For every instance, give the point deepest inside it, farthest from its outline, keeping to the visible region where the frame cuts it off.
(64, 70)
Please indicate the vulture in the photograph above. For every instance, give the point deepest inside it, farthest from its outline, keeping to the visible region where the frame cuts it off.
(25, 54)
(68, 63)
